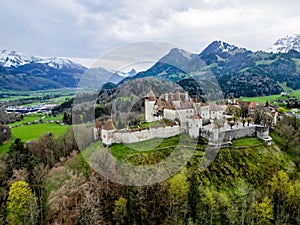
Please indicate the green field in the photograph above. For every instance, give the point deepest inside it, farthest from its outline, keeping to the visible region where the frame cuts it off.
(246, 142)
(121, 151)
(270, 98)
(55, 96)
(34, 117)
(59, 117)
(32, 132)
(261, 99)
(26, 119)
(157, 149)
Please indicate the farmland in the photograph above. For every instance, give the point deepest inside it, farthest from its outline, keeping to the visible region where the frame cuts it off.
(33, 125)
(270, 98)
(32, 132)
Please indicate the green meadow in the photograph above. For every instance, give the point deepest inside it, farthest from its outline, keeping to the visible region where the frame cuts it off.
(17, 95)
(261, 99)
(32, 132)
(270, 98)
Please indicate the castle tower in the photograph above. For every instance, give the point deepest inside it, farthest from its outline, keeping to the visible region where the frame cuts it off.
(149, 106)
(107, 133)
(186, 96)
(167, 97)
(194, 125)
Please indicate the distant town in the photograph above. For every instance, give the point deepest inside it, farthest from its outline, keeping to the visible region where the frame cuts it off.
(40, 108)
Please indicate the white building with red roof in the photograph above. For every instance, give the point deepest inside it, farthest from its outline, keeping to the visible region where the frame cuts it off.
(173, 106)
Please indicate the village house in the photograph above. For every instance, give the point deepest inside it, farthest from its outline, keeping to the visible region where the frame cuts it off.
(252, 107)
(216, 111)
(170, 106)
(204, 112)
(231, 100)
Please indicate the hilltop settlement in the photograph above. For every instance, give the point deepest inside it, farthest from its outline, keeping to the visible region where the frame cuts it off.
(218, 123)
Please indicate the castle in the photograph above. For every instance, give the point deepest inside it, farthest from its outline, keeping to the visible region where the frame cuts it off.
(189, 115)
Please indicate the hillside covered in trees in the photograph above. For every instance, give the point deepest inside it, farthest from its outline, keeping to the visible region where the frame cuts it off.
(49, 182)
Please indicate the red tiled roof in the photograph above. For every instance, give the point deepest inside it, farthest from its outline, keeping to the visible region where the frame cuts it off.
(160, 107)
(109, 125)
(168, 105)
(215, 107)
(196, 117)
(151, 96)
(166, 101)
(197, 98)
(253, 105)
(186, 105)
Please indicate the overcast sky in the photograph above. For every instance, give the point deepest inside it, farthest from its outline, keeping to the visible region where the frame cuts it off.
(90, 28)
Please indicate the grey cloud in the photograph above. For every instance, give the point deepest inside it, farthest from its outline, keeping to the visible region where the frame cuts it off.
(89, 28)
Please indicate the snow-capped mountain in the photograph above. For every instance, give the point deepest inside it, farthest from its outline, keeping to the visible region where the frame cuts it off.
(24, 72)
(118, 76)
(284, 45)
(15, 59)
(131, 73)
(12, 58)
(225, 47)
(58, 63)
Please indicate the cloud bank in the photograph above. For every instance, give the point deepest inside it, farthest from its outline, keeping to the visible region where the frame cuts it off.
(90, 28)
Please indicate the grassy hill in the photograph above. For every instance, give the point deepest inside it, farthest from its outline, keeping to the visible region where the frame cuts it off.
(246, 158)
(228, 191)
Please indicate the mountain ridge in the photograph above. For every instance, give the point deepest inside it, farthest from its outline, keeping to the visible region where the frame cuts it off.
(15, 59)
(239, 71)
(235, 68)
(286, 44)
(19, 71)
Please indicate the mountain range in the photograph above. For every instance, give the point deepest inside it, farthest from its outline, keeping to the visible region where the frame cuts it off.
(239, 71)
(284, 45)
(22, 72)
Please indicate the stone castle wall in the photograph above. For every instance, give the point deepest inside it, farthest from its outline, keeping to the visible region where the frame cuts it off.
(236, 133)
(262, 132)
(219, 136)
(146, 134)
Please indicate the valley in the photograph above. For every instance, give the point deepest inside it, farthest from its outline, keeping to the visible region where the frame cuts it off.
(34, 124)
